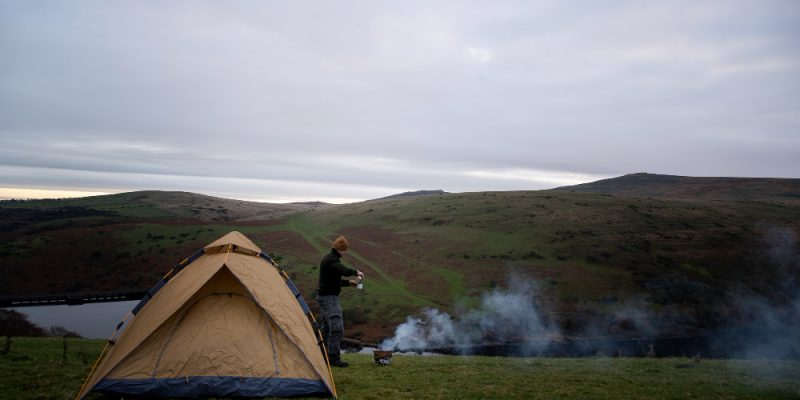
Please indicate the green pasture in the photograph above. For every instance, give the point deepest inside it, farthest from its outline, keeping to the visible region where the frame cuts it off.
(42, 368)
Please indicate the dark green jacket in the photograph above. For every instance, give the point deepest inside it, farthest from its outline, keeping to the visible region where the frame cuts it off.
(331, 272)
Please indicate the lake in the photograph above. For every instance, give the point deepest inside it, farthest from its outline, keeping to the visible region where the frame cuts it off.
(92, 320)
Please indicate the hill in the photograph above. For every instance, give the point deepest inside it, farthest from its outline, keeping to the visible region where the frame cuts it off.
(145, 204)
(414, 194)
(685, 187)
(604, 265)
(599, 265)
(113, 242)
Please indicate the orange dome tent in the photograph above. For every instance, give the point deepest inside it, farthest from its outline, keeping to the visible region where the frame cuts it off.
(224, 322)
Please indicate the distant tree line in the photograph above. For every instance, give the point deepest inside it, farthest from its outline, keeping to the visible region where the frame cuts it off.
(13, 323)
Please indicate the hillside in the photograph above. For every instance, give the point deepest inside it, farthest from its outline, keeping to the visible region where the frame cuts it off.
(673, 267)
(685, 187)
(414, 194)
(601, 265)
(113, 242)
(145, 204)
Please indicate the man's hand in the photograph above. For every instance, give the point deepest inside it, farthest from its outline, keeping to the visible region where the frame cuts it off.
(359, 274)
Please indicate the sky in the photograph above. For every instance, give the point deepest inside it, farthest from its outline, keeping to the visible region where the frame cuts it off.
(348, 101)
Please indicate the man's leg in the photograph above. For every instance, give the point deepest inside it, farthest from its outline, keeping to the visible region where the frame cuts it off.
(332, 327)
(324, 329)
(335, 337)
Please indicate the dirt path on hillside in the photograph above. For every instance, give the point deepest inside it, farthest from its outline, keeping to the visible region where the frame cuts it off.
(304, 229)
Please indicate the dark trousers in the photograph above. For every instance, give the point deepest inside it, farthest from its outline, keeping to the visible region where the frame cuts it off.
(332, 325)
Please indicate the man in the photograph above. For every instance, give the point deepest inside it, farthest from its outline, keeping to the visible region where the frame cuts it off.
(331, 272)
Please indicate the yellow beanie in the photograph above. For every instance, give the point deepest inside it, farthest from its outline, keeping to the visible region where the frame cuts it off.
(340, 244)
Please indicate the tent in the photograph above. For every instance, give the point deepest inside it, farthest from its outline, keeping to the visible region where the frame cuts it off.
(227, 321)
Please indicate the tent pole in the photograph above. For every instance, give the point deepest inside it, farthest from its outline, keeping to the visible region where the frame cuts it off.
(325, 353)
(86, 381)
(102, 354)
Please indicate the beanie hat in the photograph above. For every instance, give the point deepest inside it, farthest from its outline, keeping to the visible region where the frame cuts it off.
(340, 244)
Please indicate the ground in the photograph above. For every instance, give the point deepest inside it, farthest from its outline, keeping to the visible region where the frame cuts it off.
(43, 368)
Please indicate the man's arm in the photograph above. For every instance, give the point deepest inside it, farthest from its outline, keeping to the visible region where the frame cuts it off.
(344, 271)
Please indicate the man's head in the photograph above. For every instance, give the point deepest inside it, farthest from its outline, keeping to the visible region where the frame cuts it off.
(340, 244)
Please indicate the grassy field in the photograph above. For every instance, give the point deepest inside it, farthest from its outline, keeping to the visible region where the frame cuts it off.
(36, 368)
(685, 262)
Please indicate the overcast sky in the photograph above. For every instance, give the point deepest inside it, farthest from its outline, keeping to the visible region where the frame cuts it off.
(346, 100)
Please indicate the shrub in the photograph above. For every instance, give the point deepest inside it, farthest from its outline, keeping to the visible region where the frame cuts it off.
(13, 323)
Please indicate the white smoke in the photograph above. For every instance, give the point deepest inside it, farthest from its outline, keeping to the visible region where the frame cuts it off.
(760, 325)
(435, 329)
(507, 315)
(770, 325)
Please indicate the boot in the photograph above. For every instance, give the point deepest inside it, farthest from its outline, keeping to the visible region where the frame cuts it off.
(339, 363)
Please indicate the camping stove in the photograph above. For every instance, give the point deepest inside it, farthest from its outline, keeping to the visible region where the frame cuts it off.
(382, 357)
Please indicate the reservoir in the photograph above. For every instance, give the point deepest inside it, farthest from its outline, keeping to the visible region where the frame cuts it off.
(91, 320)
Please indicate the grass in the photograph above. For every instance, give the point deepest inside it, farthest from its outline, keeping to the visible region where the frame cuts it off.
(454, 377)
(145, 235)
(455, 282)
(34, 369)
(387, 289)
(582, 248)
(588, 252)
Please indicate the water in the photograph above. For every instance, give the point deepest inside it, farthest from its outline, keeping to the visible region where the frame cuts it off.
(92, 320)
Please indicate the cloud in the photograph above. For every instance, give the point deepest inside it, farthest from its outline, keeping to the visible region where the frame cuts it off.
(255, 189)
(479, 54)
(536, 176)
(303, 92)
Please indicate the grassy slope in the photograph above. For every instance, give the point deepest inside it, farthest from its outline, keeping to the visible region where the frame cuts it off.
(34, 370)
(590, 253)
(163, 204)
(584, 246)
(686, 187)
(113, 242)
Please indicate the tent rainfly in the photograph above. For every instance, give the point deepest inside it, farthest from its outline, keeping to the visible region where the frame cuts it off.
(227, 321)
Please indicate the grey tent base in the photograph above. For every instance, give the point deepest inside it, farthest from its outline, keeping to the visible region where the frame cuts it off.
(194, 386)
